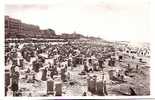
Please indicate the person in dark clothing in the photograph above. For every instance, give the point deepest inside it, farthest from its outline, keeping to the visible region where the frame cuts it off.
(7, 81)
(74, 61)
(100, 63)
(6, 90)
(12, 70)
(105, 88)
(69, 62)
(14, 62)
(21, 63)
(53, 71)
(86, 68)
(44, 75)
(36, 66)
(137, 67)
(15, 79)
(120, 58)
(90, 61)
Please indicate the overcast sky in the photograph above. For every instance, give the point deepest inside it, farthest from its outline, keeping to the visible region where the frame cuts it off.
(108, 19)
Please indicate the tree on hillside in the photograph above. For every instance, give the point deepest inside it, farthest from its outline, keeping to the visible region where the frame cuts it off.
(51, 31)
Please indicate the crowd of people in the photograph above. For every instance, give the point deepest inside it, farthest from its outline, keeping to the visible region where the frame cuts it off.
(32, 57)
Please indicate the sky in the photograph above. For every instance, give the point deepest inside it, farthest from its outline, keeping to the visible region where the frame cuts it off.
(108, 19)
